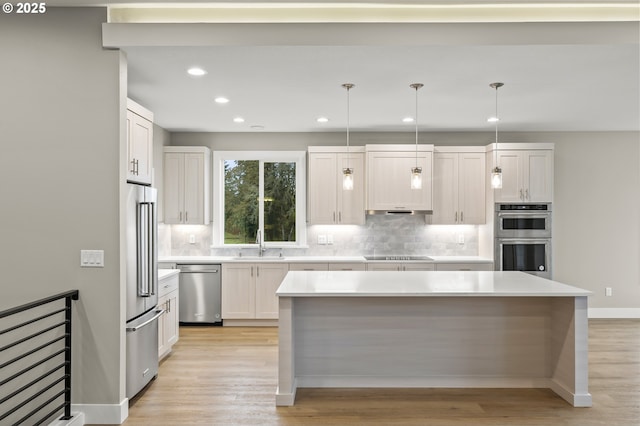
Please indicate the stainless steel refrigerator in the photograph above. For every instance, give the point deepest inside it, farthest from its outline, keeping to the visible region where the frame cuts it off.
(142, 287)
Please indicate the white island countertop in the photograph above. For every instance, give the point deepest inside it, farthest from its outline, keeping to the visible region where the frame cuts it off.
(423, 283)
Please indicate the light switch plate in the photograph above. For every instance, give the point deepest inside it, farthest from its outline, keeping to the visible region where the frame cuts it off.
(330, 239)
(92, 258)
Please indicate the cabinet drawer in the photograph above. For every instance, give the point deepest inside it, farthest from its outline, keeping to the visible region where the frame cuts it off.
(464, 267)
(308, 267)
(167, 285)
(347, 266)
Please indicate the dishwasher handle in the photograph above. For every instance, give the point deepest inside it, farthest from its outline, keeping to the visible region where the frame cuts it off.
(211, 271)
(199, 268)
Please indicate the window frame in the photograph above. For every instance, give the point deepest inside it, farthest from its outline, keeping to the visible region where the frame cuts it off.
(297, 157)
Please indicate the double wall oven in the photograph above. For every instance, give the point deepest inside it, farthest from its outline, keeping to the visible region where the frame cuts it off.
(523, 238)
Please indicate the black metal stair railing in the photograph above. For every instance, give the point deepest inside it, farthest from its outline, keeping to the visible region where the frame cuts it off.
(35, 361)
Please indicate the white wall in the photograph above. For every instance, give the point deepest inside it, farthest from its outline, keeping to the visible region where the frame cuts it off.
(62, 134)
(596, 208)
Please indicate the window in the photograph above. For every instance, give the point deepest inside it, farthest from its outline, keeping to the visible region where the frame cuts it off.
(259, 190)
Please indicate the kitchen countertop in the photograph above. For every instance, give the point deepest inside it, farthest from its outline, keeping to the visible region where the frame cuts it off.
(166, 273)
(314, 259)
(425, 283)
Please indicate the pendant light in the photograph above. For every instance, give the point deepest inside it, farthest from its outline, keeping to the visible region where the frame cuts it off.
(416, 172)
(347, 172)
(496, 172)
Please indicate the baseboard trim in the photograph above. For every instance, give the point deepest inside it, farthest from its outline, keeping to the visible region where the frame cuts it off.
(103, 414)
(77, 419)
(631, 313)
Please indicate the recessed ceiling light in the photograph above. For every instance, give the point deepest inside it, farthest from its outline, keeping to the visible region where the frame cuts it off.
(322, 120)
(407, 120)
(493, 119)
(221, 100)
(238, 120)
(197, 72)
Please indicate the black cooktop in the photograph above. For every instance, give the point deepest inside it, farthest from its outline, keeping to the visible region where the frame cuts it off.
(396, 258)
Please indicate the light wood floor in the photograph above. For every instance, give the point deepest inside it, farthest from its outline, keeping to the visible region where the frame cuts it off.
(227, 376)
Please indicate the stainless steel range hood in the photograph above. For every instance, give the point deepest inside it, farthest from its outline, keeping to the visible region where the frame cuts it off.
(400, 212)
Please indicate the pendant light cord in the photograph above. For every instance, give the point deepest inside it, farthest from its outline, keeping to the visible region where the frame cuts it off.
(496, 147)
(417, 87)
(348, 86)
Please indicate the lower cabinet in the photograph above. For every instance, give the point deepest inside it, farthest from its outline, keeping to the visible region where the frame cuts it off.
(400, 266)
(464, 267)
(168, 331)
(249, 290)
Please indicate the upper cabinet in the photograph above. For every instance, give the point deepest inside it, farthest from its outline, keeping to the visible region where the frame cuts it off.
(459, 185)
(527, 172)
(329, 203)
(139, 144)
(186, 184)
(389, 177)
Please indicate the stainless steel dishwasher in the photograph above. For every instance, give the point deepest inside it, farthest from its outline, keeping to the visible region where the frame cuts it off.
(200, 294)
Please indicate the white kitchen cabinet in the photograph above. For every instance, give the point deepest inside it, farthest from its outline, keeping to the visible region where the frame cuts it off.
(347, 266)
(139, 144)
(400, 266)
(527, 174)
(329, 203)
(186, 185)
(462, 266)
(459, 186)
(309, 266)
(389, 177)
(168, 325)
(249, 290)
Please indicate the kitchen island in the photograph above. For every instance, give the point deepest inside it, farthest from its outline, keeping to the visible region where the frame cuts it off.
(432, 329)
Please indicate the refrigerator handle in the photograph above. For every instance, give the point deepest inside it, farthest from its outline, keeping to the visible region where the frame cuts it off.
(152, 247)
(143, 249)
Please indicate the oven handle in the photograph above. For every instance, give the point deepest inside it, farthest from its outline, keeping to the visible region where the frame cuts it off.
(524, 240)
(524, 215)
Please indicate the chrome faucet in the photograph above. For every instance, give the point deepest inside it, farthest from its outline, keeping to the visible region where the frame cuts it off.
(261, 248)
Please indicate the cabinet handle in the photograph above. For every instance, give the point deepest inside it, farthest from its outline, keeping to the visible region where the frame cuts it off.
(461, 217)
(186, 217)
(180, 219)
(340, 217)
(334, 217)
(257, 271)
(456, 219)
(137, 167)
(252, 271)
(521, 196)
(133, 167)
(526, 194)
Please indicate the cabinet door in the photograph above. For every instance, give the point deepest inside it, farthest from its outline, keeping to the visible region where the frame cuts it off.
(140, 146)
(445, 188)
(538, 171)
(512, 186)
(194, 207)
(384, 266)
(308, 267)
(389, 181)
(464, 267)
(238, 291)
(269, 276)
(418, 267)
(350, 204)
(347, 266)
(471, 188)
(323, 181)
(163, 347)
(172, 189)
(171, 325)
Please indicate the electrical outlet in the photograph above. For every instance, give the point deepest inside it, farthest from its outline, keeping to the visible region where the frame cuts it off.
(460, 238)
(322, 239)
(608, 291)
(192, 239)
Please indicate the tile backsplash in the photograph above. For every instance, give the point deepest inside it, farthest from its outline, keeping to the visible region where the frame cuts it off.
(380, 235)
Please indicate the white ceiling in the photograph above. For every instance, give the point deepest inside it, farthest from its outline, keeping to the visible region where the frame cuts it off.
(578, 87)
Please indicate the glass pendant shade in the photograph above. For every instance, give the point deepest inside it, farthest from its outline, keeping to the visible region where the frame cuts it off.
(347, 179)
(496, 178)
(416, 178)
